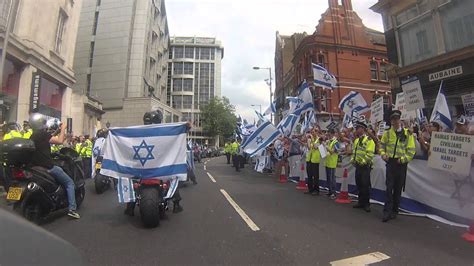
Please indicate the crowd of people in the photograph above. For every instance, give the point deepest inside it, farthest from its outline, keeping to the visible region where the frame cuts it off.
(397, 145)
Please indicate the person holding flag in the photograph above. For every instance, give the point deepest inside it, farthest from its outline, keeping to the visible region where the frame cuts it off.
(314, 158)
(332, 146)
(397, 148)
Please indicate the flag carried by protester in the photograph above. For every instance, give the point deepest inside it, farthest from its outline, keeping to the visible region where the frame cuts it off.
(323, 78)
(441, 112)
(288, 124)
(353, 102)
(271, 109)
(150, 151)
(261, 138)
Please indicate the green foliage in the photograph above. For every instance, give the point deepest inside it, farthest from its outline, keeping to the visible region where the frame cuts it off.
(218, 118)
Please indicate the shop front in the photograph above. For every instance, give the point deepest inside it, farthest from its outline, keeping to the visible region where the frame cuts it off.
(46, 95)
(9, 91)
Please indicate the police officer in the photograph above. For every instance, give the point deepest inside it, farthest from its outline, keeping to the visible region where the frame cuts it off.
(86, 154)
(397, 148)
(227, 150)
(362, 156)
(235, 147)
(27, 131)
(12, 131)
(314, 157)
(331, 162)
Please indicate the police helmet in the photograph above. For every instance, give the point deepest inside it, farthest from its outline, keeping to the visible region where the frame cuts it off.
(38, 121)
(53, 124)
(153, 117)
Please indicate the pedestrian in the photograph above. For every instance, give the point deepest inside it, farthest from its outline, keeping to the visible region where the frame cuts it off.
(332, 147)
(235, 155)
(362, 157)
(227, 149)
(397, 148)
(314, 157)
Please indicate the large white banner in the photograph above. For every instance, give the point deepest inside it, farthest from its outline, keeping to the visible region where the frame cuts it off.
(400, 104)
(451, 152)
(413, 94)
(468, 102)
(376, 111)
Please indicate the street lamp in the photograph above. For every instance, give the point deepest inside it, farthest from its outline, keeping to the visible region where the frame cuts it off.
(259, 105)
(269, 84)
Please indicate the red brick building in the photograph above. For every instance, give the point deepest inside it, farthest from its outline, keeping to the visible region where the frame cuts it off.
(354, 53)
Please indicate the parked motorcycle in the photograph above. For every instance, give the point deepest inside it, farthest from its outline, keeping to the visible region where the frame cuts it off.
(34, 192)
(102, 182)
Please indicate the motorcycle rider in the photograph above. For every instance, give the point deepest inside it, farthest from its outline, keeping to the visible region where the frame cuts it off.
(155, 117)
(42, 157)
(98, 148)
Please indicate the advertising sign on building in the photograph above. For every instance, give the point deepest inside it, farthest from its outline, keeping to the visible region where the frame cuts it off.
(400, 104)
(413, 94)
(451, 152)
(468, 102)
(447, 73)
(35, 93)
(376, 111)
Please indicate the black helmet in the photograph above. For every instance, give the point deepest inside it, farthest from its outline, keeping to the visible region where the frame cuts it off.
(153, 117)
(38, 121)
(102, 133)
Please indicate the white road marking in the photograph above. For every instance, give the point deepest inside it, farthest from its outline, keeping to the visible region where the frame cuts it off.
(210, 176)
(241, 212)
(362, 259)
(205, 168)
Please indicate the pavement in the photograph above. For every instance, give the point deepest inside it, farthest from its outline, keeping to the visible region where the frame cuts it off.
(270, 224)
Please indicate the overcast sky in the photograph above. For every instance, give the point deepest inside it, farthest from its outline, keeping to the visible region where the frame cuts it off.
(247, 30)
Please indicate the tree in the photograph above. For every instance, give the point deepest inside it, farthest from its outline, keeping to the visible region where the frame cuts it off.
(218, 117)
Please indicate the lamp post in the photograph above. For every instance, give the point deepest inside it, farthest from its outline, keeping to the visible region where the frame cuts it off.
(269, 84)
(259, 105)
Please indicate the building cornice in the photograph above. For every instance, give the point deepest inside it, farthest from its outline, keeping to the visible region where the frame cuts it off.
(26, 54)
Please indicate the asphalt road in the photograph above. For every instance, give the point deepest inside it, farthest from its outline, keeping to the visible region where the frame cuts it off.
(295, 229)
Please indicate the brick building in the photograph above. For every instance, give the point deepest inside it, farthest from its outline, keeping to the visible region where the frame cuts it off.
(354, 53)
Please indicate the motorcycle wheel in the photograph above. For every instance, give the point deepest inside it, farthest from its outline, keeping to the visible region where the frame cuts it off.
(31, 210)
(80, 195)
(100, 184)
(150, 207)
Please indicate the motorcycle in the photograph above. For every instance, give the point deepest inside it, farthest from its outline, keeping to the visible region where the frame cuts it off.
(102, 182)
(35, 194)
(150, 195)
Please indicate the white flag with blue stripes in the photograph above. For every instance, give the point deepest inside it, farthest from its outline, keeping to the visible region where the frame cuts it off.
(125, 190)
(441, 112)
(265, 134)
(151, 151)
(288, 124)
(271, 108)
(323, 78)
(353, 102)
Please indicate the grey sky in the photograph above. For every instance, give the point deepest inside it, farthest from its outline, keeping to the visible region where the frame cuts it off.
(247, 30)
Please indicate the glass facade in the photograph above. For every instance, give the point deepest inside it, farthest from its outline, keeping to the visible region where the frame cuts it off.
(458, 24)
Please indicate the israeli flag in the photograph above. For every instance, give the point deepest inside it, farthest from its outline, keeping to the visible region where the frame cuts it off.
(260, 139)
(271, 108)
(306, 101)
(261, 118)
(151, 151)
(353, 102)
(441, 112)
(125, 190)
(288, 124)
(174, 182)
(323, 78)
(420, 117)
(347, 121)
(261, 163)
(97, 151)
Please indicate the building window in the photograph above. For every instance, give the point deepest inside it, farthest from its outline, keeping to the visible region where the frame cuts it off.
(458, 24)
(189, 52)
(321, 60)
(187, 85)
(374, 70)
(98, 2)
(188, 68)
(213, 53)
(187, 101)
(178, 52)
(177, 68)
(383, 72)
(61, 29)
(205, 54)
(88, 92)
(91, 54)
(96, 19)
(178, 85)
(422, 41)
(177, 102)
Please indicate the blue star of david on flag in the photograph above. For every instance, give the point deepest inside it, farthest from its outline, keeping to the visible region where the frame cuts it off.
(149, 150)
(259, 140)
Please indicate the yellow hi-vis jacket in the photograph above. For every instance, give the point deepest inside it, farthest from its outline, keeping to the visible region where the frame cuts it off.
(227, 148)
(13, 134)
(86, 152)
(234, 148)
(331, 159)
(398, 148)
(364, 148)
(27, 134)
(313, 155)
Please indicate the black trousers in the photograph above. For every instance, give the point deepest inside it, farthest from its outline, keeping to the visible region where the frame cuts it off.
(396, 176)
(312, 170)
(86, 166)
(228, 157)
(242, 161)
(362, 177)
(236, 162)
